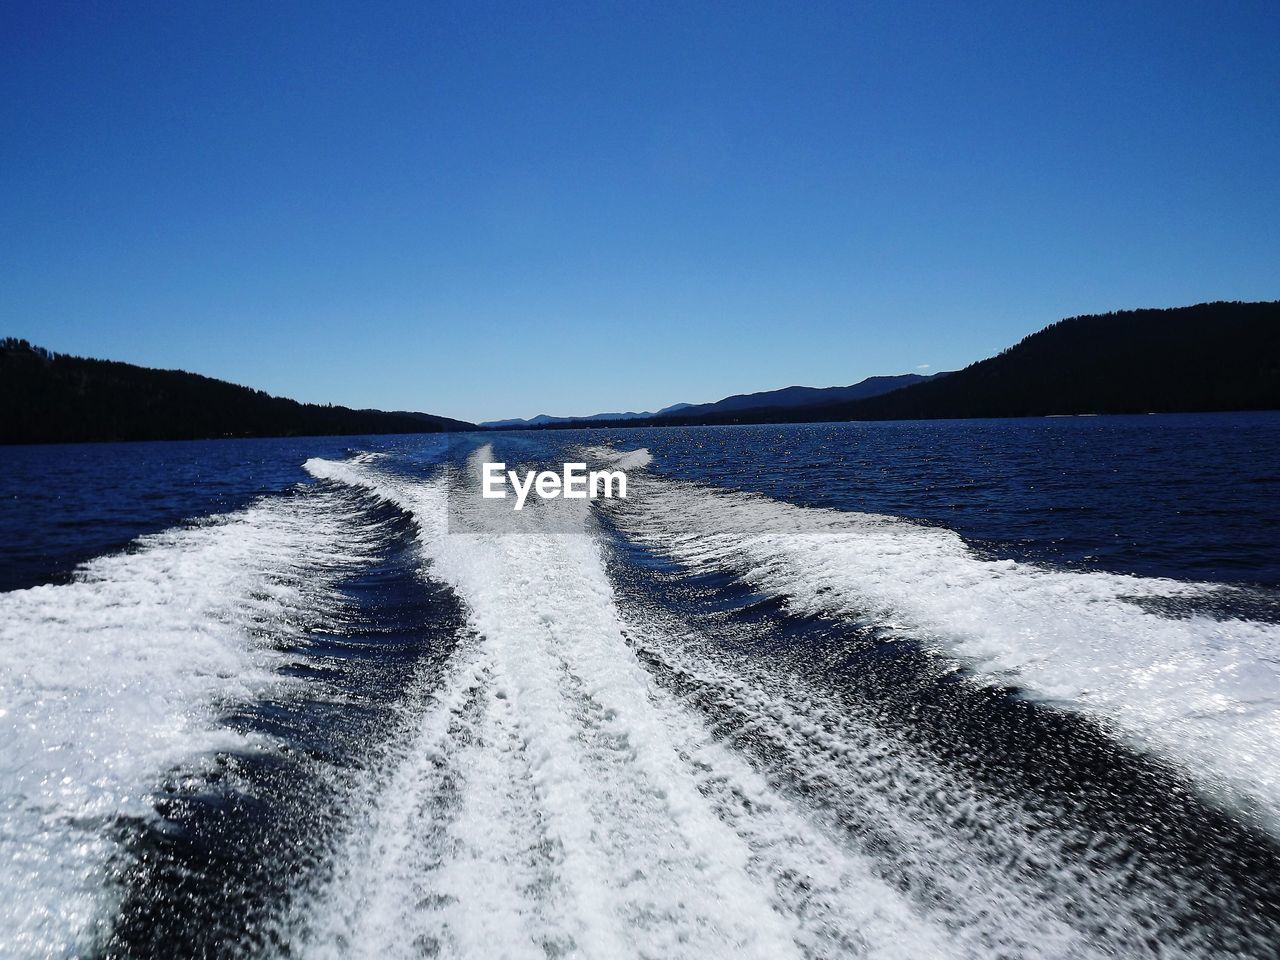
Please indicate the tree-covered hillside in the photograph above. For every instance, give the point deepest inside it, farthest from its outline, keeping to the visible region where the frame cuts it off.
(52, 398)
(1212, 356)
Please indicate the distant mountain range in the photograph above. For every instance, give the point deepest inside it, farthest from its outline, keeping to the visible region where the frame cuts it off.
(784, 398)
(790, 398)
(543, 419)
(1207, 357)
(54, 398)
(1212, 356)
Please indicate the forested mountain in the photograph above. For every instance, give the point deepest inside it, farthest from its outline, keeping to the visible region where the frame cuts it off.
(1212, 356)
(545, 419)
(734, 406)
(52, 398)
(787, 397)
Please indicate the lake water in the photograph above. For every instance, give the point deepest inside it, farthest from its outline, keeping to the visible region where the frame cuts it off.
(964, 688)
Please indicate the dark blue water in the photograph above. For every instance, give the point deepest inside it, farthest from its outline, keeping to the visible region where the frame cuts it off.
(1193, 496)
(64, 503)
(850, 720)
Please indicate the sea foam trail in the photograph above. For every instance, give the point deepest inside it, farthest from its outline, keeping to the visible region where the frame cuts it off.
(556, 801)
(1198, 691)
(111, 681)
(1008, 869)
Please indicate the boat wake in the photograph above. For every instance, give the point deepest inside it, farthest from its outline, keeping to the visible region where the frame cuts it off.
(694, 723)
(557, 801)
(1146, 657)
(597, 776)
(116, 682)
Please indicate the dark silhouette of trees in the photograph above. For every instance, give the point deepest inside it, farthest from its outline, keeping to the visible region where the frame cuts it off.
(1211, 356)
(52, 398)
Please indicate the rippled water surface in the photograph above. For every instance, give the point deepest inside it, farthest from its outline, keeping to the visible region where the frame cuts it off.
(971, 689)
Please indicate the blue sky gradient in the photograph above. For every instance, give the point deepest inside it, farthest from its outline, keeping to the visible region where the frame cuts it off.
(489, 210)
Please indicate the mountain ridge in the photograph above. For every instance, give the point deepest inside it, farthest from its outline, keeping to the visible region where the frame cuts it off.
(1219, 355)
(1213, 356)
(802, 396)
(59, 398)
(793, 396)
(544, 419)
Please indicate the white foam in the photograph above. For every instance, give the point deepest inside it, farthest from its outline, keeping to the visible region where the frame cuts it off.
(554, 799)
(622, 459)
(1202, 692)
(1001, 876)
(110, 681)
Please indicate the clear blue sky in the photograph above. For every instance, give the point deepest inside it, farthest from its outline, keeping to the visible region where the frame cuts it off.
(490, 210)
